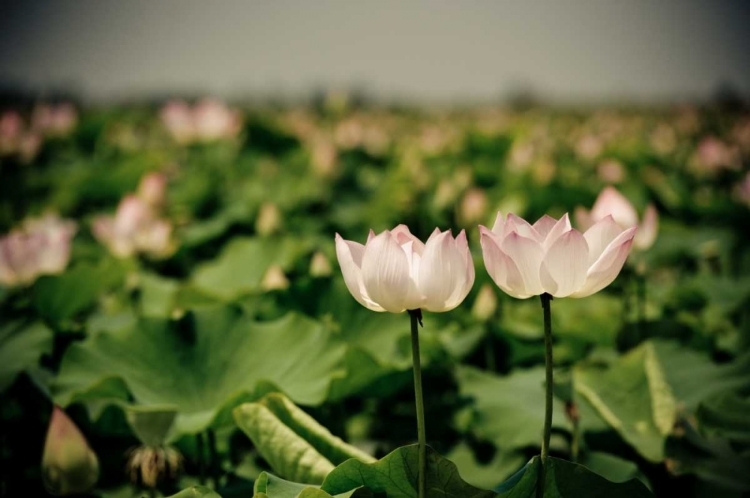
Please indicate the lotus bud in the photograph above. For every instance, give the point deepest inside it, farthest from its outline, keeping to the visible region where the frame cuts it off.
(268, 220)
(320, 266)
(69, 466)
(485, 304)
(274, 279)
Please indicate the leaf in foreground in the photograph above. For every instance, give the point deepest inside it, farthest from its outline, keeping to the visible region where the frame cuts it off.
(205, 364)
(294, 444)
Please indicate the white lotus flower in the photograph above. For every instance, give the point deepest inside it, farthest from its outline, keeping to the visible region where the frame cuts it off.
(552, 257)
(611, 202)
(40, 247)
(394, 271)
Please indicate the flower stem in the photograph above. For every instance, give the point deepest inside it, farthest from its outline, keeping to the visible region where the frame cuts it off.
(416, 321)
(200, 449)
(549, 385)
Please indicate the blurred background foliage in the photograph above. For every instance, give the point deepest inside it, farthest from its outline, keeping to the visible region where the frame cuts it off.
(227, 288)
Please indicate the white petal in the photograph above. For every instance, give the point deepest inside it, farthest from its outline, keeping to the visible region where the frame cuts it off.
(527, 254)
(646, 234)
(611, 201)
(562, 226)
(414, 298)
(501, 268)
(521, 227)
(566, 263)
(385, 273)
(544, 224)
(499, 227)
(609, 264)
(350, 255)
(463, 246)
(599, 236)
(443, 275)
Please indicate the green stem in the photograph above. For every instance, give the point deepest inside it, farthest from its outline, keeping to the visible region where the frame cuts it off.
(416, 320)
(641, 302)
(549, 385)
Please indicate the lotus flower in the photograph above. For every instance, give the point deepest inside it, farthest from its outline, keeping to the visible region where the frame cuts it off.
(394, 271)
(612, 202)
(40, 247)
(135, 228)
(69, 466)
(552, 257)
(208, 120)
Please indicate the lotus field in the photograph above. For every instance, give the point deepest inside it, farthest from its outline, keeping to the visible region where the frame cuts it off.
(346, 300)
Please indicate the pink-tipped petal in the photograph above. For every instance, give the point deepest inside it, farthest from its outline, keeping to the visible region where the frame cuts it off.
(566, 264)
(385, 273)
(499, 227)
(646, 234)
(609, 264)
(561, 226)
(544, 224)
(611, 201)
(600, 236)
(521, 227)
(527, 255)
(501, 268)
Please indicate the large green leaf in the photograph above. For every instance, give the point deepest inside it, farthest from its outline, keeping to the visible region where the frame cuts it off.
(240, 267)
(20, 349)
(396, 476)
(204, 364)
(694, 377)
(509, 410)
(633, 397)
(564, 479)
(196, 492)
(292, 442)
(61, 297)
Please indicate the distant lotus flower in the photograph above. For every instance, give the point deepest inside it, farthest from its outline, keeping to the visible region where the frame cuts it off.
(178, 118)
(207, 121)
(40, 247)
(54, 119)
(473, 207)
(16, 138)
(135, 228)
(69, 466)
(394, 271)
(611, 202)
(713, 155)
(553, 258)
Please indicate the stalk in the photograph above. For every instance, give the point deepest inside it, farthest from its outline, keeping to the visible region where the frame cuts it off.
(416, 321)
(546, 299)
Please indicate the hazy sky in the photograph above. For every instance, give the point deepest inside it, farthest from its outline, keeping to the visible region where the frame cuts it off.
(567, 51)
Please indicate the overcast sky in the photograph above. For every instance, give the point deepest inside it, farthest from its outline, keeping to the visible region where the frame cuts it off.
(437, 51)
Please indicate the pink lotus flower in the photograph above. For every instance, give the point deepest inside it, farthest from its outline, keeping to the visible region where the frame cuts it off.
(40, 247)
(54, 119)
(611, 202)
(394, 271)
(552, 257)
(207, 121)
(135, 228)
(69, 466)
